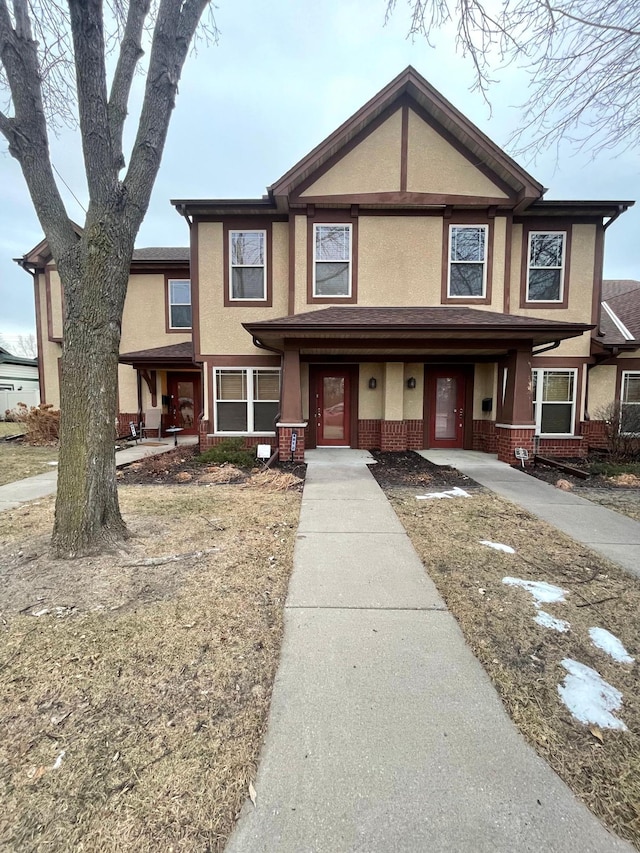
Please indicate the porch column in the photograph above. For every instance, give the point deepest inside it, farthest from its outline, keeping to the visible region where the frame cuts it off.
(291, 428)
(393, 430)
(516, 428)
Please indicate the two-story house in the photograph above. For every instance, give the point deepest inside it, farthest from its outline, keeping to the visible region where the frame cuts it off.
(405, 285)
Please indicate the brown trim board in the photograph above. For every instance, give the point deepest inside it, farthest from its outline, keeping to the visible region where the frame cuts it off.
(244, 224)
(183, 330)
(460, 218)
(560, 227)
(329, 217)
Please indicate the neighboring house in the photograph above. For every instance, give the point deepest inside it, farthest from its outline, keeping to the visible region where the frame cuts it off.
(614, 378)
(405, 285)
(18, 381)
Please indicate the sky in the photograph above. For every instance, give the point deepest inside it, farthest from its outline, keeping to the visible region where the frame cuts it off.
(282, 77)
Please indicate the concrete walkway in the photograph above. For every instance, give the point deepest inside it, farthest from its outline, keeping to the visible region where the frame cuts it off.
(385, 733)
(611, 534)
(42, 485)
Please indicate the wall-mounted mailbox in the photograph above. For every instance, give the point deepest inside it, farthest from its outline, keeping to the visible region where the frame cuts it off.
(166, 400)
(487, 404)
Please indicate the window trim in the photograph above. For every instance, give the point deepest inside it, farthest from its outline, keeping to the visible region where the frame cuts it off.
(623, 374)
(169, 278)
(559, 301)
(332, 218)
(249, 372)
(460, 221)
(538, 404)
(543, 226)
(244, 224)
(339, 296)
(232, 266)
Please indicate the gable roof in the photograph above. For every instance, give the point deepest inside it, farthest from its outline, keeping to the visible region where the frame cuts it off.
(410, 86)
(8, 358)
(620, 320)
(179, 256)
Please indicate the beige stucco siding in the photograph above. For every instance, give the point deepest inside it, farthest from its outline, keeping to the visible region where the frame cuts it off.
(144, 317)
(435, 166)
(413, 397)
(55, 302)
(128, 389)
(221, 329)
(370, 400)
(602, 389)
(484, 385)
(373, 166)
(581, 274)
(393, 393)
(399, 260)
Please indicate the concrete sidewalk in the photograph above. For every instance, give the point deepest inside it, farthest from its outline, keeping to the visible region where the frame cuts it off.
(611, 534)
(385, 733)
(42, 485)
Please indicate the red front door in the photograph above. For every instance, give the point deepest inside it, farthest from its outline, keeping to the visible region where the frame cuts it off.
(184, 401)
(446, 407)
(331, 398)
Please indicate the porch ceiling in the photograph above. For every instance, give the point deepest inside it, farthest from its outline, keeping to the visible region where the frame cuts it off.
(414, 330)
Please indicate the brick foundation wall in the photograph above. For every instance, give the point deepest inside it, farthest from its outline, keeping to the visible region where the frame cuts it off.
(595, 434)
(484, 436)
(369, 434)
(508, 439)
(415, 434)
(571, 448)
(284, 444)
(124, 419)
(207, 441)
(393, 435)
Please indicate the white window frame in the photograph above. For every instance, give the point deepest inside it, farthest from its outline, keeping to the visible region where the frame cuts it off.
(349, 226)
(563, 234)
(538, 402)
(625, 374)
(233, 266)
(485, 228)
(171, 303)
(249, 374)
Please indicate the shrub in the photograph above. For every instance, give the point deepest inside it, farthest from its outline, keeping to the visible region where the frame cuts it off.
(42, 423)
(622, 430)
(229, 450)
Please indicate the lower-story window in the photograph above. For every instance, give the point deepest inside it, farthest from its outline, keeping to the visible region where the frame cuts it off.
(630, 402)
(246, 399)
(554, 401)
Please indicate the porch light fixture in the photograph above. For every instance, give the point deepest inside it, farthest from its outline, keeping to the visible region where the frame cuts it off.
(373, 383)
(411, 382)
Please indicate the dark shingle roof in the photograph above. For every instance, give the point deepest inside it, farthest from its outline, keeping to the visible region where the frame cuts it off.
(622, 297)
(162, 253)
(172, 352)
(417, 317)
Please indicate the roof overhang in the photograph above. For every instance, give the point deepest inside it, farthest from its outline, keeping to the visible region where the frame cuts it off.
(161, 358)
(357, 330)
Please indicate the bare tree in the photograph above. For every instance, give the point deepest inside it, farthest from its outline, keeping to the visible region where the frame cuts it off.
(44, 47)
(583, 58)
(26, 346)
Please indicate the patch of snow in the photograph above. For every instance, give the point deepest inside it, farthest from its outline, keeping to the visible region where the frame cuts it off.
(58, 762)
(542, 592)
(589, 698)
(498, 546)
(52, 463)
(609, 643)
(456, 492)
(42, 612)
(548, 621)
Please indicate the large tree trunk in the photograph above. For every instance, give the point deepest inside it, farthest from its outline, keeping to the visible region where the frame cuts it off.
(94, 279)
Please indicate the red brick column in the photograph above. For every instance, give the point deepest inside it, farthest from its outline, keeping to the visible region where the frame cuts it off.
(393, 435)
(510, 437)
(285, 442)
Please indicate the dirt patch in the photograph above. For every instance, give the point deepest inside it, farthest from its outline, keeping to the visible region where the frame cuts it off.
(625, 501)
(133, 707)
(405, 468)
(523, 658)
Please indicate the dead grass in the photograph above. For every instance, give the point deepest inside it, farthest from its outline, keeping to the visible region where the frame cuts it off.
(10, 428)
(154, 680)
(522, 658)
(626, 501)
(18, 460)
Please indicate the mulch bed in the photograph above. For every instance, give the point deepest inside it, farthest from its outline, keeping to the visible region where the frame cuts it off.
(406, 468)
(180, 467)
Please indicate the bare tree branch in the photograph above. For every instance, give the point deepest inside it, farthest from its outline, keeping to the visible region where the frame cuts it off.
(91, 80)
(130, 53)
(581, 55)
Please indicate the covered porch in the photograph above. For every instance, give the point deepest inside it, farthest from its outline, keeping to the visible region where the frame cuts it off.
(166, 380)
(408, 378)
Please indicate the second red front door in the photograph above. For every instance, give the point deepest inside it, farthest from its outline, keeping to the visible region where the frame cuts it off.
(331, 408)
(446, 407)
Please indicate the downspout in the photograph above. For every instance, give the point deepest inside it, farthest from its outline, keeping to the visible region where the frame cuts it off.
(613, 218)
(549, 347)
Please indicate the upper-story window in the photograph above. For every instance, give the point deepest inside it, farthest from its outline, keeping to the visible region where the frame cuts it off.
(332, 272)
(467, 261)
(545, 273)
(248, 274)
(179, 303)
